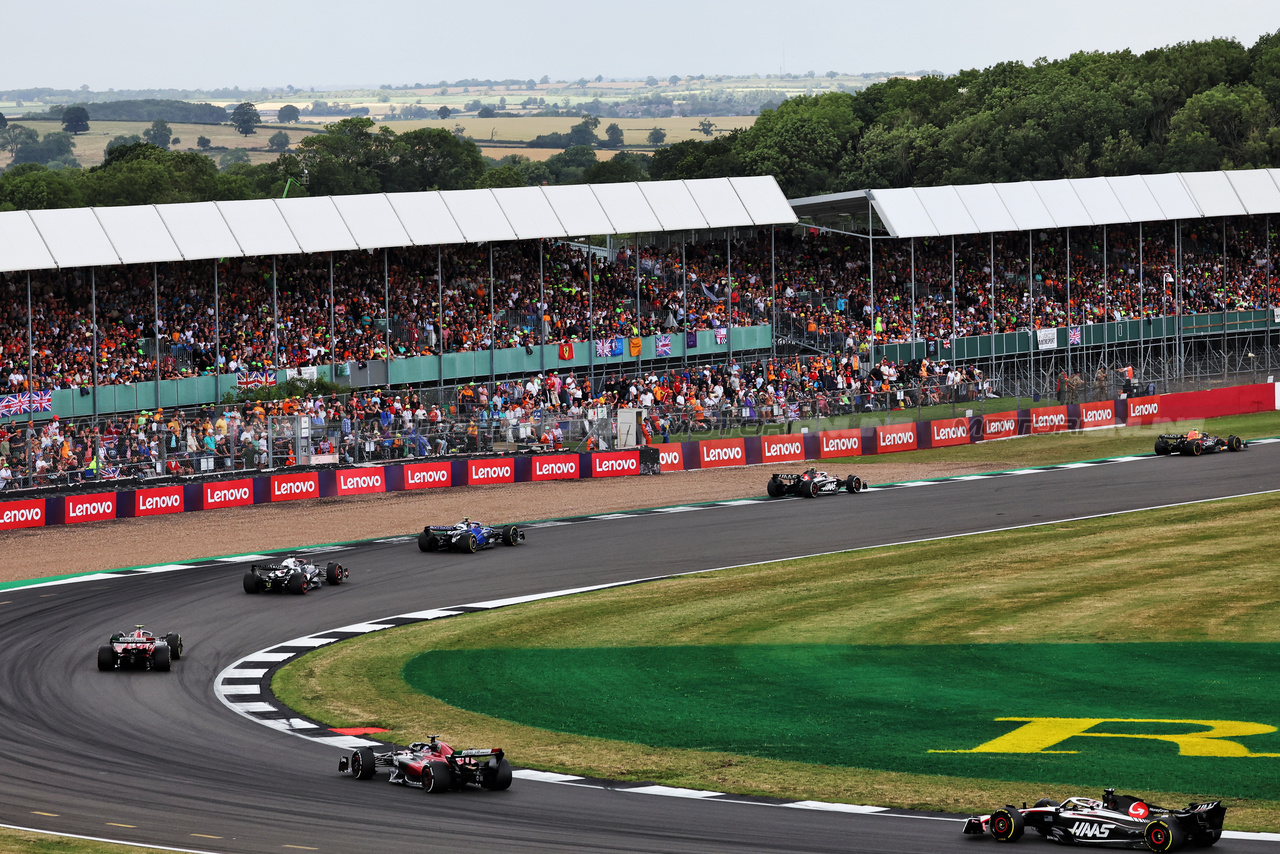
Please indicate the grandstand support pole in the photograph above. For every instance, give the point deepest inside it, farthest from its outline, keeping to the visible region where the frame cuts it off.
(1269, 275)
(728, 297)
(773, 293)
(1069, 316)
(1177, 304)
(993, 310)
(591, 325)
(275, 317)
(93, 297)
(440, 317)
(1106, 301)
(684, 301)
(31, 349)
(639, 360)
(953, 298)
(1142, 296)
(1031, 309)
(913, 298)
(386, 306)
(217, 338)
(333, 327)
(1224, 300)
(542, 323)
(493, 325)
(155, 298)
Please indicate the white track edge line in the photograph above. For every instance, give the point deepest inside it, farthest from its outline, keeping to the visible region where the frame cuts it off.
(104, 839)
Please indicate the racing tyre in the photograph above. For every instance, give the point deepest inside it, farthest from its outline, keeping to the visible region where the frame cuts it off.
(853, 485)
(363, 765)
(1006, 824)
(1163, 835)
(160, 658)
(106, 657)
(510, 535)
(252, 583)
(1234, 443)
(437, 777)
(1197, 449)
(1162, 448)
(498, 777)
(811, 489)
(469, 544)
(333, 573)
(775, 488)
(174, 640)
(427, 542)
(297, 583)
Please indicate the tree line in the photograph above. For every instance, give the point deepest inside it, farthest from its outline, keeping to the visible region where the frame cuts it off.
(1188, 107)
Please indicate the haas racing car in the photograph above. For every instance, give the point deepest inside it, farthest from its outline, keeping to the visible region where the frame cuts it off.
(1195, 443)
(812, 483)
(141, 650)
(433, 766)
(467, 536)
(1116, 821)
(293, 574)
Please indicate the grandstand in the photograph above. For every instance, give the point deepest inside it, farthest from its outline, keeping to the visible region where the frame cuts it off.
(1021, 289)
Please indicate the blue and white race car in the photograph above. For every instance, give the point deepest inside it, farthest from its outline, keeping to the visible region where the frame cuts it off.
(467, 536)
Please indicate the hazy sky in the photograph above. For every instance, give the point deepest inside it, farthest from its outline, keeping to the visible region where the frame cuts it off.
(327, 43)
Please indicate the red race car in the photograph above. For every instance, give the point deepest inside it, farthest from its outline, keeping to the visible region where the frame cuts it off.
(141, 650)
(433, 766)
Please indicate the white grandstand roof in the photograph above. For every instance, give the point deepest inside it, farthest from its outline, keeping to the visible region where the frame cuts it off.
(1063, 203)
(84, 237)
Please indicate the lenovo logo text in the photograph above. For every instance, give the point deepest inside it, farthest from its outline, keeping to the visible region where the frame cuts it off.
(486, 472)
(159, 502)
(716, 455)
(297, 487)
(91, 508)
(844, 443)
(783, 449)
(26, 514)
(541, 468)
(1057, 420)
(221, 496)
(1143, 409)
(1008, 425)
(958, 432)
(420, 478)
(1094, 416)
(888, 440)
(623, 465)
(361, 481)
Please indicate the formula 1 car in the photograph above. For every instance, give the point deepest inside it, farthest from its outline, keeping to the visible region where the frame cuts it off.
(293, 574)
(433, 766)
(1195, 443)
(140, 650)
(812, 483)
(467, 536)
(1116, 821)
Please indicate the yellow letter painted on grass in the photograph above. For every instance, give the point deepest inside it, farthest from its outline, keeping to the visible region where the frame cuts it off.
(1037, 735)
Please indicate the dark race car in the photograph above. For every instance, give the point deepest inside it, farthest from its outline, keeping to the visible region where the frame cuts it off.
(1194, 443)
(812, 483)
(1116, 821)
(139, 650)
(293, 574)
(433, 766)
(467, 536)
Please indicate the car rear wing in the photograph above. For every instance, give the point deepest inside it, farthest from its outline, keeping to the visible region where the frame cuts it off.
(479, 751)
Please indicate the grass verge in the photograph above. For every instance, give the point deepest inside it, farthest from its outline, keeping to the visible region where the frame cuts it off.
(1208, 578)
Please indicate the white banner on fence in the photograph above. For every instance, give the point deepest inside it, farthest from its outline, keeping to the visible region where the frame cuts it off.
(1275, 314)
(307, 373)
(1047, 339)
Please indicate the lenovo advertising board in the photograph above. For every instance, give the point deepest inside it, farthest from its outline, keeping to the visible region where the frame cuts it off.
(781, 449)
(895, 437)
(1101, 414)
(671, 456)
(424, 475)
(227, 493)
(615, 464)
(556, 467)
(1048, 419)
(291, 487)
(717, 453)
(480, 472)
(949, 431)
(1000, 425)
(839, 443)
(157, 502)
(1143, 410)
(22, 514)
(89, 508)
(360, 481)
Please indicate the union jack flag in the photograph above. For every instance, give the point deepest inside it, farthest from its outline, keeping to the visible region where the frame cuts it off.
(602, 347)
(24, 403)
(1073, 335)
(10, 405)
(662, 346)
(40, 401)
(254, 379)
(722, 335)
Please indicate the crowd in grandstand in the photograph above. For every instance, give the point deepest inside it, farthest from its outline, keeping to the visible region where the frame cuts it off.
(277, 313)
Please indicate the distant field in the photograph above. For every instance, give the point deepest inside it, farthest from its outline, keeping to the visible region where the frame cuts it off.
(634, 131)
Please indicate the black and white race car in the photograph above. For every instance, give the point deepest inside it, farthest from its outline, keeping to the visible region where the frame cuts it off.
(467, 536)
(1194, 443)
(813, 483)
(139, 650)
(1116, 821)
(292, 575)
(433, 766)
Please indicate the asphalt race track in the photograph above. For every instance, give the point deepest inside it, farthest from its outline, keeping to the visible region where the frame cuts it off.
(155, 758)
